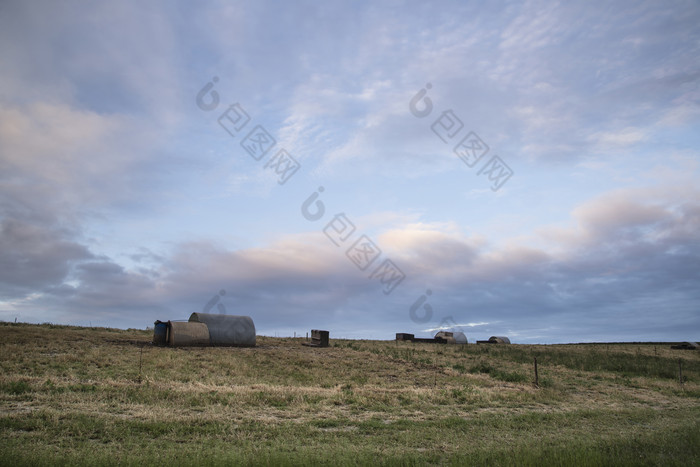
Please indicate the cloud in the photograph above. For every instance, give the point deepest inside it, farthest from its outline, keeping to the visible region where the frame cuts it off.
(106, 58)
(625, 251)
(636, 214)
(33, 258)
(434, 249)
(70, 156)
(625, 137)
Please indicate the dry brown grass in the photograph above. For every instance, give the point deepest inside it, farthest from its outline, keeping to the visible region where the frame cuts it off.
(356, 397)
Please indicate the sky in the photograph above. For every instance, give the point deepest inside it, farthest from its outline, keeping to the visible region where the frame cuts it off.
(527, 169)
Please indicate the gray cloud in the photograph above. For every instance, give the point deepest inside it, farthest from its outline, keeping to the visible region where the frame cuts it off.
(32, 258)
(636, 278)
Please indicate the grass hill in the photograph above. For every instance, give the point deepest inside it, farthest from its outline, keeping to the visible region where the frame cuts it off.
(72, 395)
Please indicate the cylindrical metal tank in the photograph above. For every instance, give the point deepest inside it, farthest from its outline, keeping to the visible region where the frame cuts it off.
(185, 333)
(160, 333)
(228, 330)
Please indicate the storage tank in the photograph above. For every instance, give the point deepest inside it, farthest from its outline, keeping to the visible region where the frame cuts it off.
(227, 330)
(160, 333)
(185, 334)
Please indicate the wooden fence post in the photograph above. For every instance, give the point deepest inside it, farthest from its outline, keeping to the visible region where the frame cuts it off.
(435, 385)
(140, 362)
(680, 372)
(537, 380)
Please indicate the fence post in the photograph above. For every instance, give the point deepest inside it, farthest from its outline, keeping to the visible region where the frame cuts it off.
(435, 385)
(537, 380)
(680, 372)
(140, 362)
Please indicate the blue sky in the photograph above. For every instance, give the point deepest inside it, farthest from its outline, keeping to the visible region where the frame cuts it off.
(123, 200)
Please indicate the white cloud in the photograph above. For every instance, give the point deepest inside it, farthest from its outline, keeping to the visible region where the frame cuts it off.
(625, 137)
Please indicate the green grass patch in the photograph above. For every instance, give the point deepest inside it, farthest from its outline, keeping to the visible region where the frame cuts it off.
(15, 388)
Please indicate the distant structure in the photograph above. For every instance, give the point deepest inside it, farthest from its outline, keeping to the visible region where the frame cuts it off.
(442, 337)
(452, 337)
(319, 338)
(495, 340)
(499, 340)
(204, 329)
(227, 330)
(686, 346)
(404, 336)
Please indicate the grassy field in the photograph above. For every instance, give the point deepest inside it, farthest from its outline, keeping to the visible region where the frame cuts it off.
(73, 395)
